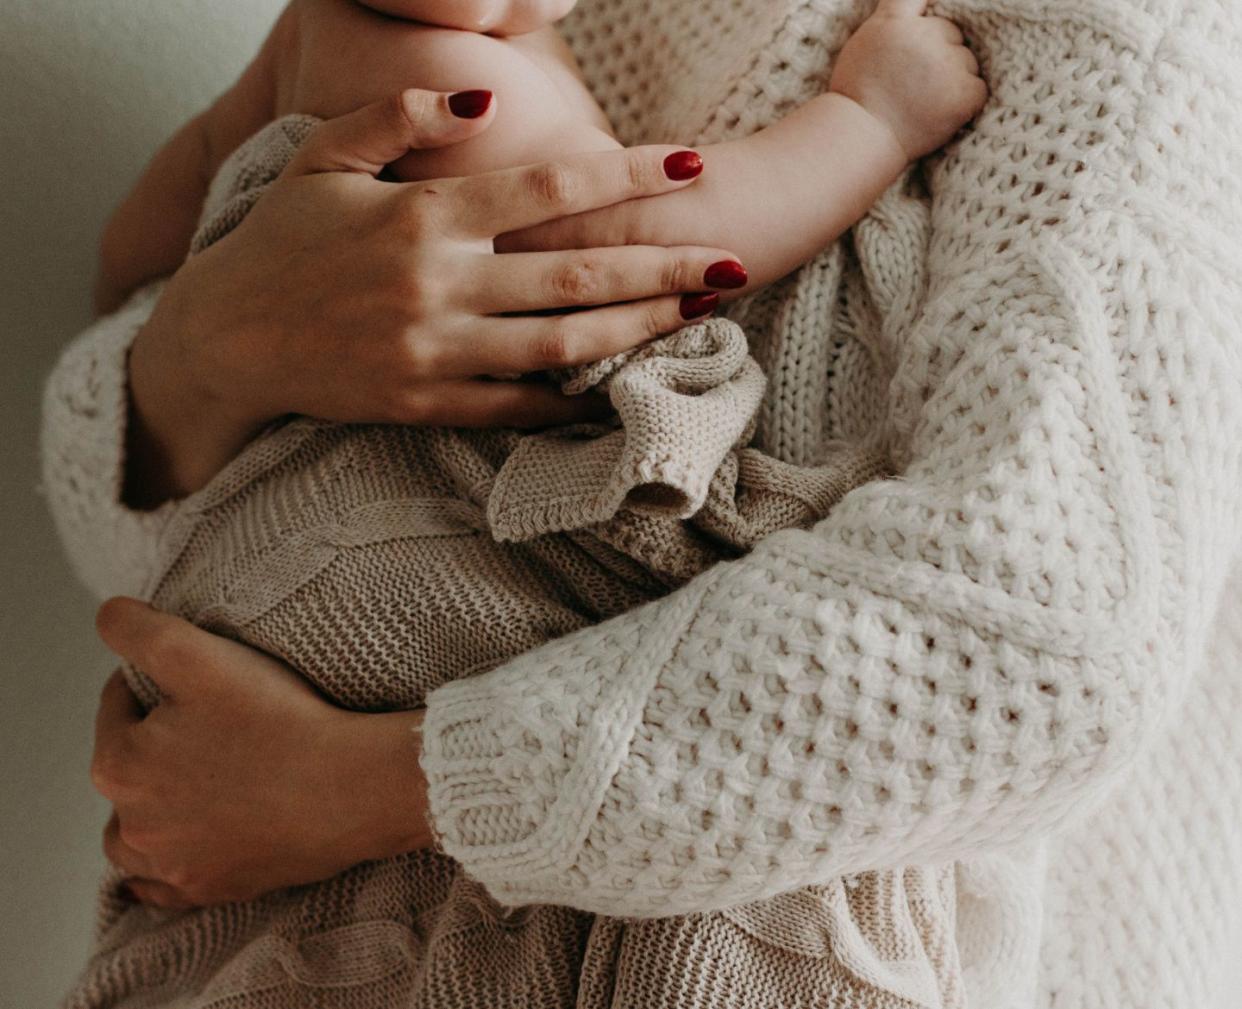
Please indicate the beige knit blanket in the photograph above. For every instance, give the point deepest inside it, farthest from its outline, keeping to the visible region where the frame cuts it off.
(383, 561)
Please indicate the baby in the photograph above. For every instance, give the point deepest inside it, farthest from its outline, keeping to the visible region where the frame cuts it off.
(382, 561)
(901, 88)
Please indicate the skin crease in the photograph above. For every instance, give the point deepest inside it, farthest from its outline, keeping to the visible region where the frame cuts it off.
(182, 778)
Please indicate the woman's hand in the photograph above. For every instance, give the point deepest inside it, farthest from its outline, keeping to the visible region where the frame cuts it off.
(211, 803)
(350, 299)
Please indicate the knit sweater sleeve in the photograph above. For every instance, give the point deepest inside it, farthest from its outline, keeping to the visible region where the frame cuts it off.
(85, 411)
(963, 656)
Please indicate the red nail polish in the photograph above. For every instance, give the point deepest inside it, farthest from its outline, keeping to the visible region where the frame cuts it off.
(695, 306)
(470, 104)
(683, 165)
(727, 275)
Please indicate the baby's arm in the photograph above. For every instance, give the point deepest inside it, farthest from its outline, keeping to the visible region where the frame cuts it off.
(903, 85)
(495, 17)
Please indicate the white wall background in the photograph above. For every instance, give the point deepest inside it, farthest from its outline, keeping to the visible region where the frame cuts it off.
(88, 89)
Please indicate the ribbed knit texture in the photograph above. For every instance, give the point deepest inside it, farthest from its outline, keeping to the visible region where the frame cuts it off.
(1027, 636)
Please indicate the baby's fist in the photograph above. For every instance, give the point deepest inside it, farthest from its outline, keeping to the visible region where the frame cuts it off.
(913, 73)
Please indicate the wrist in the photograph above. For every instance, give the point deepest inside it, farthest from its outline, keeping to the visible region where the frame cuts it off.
(180, 432)
(383, 786)
(876, 124)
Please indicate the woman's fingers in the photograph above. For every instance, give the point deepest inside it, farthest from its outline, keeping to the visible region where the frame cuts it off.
(172, 652)
(539, 343)
(118, 707)
(156, 894)
(367, 140)
(119, 711)
(497, 202)
(548, 280)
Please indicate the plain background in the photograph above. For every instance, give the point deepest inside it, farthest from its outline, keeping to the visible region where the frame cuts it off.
(88, 90)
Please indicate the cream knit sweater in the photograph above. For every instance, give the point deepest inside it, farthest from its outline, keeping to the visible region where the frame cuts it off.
(1020, 655)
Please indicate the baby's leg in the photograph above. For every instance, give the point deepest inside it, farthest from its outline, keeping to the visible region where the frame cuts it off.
(347, 56)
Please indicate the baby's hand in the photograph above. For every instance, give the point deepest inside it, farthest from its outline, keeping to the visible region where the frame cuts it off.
(494, 17)
(913, 73)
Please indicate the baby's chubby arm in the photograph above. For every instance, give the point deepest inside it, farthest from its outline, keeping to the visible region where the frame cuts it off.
(902, 87)
(494, 17)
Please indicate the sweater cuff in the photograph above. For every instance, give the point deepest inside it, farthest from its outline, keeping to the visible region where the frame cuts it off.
(85, 425)
(518, 761)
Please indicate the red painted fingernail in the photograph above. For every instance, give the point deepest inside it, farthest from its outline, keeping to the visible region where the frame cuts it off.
(695, 306)
(728, 275)
(470, 104)
(683, 165)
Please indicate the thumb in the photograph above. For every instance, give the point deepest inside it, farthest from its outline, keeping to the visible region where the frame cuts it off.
(172, 652)
(380, 133)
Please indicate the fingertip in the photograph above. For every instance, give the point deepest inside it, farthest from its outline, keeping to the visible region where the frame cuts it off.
(472, 104)
(683, 166)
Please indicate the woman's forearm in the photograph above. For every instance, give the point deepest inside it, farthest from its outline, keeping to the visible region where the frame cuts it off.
(179, 432)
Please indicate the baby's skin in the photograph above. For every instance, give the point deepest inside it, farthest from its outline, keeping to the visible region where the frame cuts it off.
(903, 86)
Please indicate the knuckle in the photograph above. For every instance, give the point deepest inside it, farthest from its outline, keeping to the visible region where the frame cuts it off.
(109, 770)
(555, 346)
(638, 173)
(419, 360)
(674, 275)
(654, 319)
(552, 185)
(576, 283)
(418, 292)
(393, 109)
(411, 108)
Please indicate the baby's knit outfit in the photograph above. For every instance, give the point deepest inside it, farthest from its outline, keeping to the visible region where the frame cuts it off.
(1014, 664)
(383, 562)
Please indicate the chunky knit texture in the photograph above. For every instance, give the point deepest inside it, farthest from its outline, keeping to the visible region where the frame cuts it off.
(1027, 635)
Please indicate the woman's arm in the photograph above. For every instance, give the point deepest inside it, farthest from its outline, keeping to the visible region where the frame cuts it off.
(954, 660)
